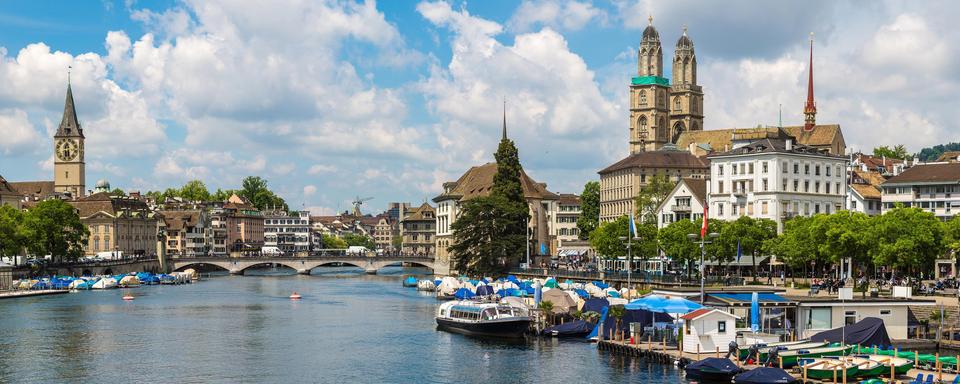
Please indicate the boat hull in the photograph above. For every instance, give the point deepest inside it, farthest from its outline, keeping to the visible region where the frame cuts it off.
(512, 329)
(709, 376)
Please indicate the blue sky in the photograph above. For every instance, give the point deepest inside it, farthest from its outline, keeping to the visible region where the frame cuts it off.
(332, 99)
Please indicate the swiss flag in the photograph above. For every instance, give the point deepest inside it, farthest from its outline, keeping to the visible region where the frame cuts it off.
(703, 228)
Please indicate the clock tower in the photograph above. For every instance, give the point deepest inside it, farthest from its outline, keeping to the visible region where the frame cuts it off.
(68, 165)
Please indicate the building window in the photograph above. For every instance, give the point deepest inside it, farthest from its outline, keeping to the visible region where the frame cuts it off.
(676, 104)
(750, 171)
(765, 167)
(784, 167)
(784, 186)
(765, 185)
(734, 169)
(884, 312)
(806, 169)
(795, 185)
(816, 170)
(722, 326)
(643, 98)
(853, 204)
(838, 188)
(719, 169)
(819, 318)
(763, 208)
(720, 187)
(849, 317)
(828, 170)
(806, 186)
(827, 186)
(796, 168)
(720, 209)
(816, 187)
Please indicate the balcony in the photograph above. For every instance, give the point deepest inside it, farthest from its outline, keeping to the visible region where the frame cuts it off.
(739, 192)
(680, 208)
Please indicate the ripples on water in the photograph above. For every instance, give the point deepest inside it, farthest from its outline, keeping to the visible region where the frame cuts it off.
(349, 327)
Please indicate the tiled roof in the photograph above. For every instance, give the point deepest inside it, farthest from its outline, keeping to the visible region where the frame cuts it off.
(659, 159)
(866, 191)
(697, 313)
(478, 181)
(773, 146)
(697, 187)
(38, 189)
(6, 188)
(104, 202)
(872, 178)
(177, 220)
(874, 162)
(718, 139)
(949, 156)
(418, 213)
(928, 173)
(569, 199)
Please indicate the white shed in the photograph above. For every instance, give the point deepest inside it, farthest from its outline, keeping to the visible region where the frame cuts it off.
(708, 329)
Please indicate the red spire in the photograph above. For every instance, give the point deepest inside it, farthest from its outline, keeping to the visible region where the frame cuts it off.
(810, 108)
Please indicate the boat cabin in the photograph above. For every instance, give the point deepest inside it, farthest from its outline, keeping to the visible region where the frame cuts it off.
(481, 313)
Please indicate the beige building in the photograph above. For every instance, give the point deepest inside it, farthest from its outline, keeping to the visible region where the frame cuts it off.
(383, 233)
(122, 226)
(419, 230)
(187, 232)
(660, 111)
(565, 227)
(69, 169)
(244, 226)
(621, 182)
(9, 195)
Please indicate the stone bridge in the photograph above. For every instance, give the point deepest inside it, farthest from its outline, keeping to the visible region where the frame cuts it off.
(93, 268)
(303, 265)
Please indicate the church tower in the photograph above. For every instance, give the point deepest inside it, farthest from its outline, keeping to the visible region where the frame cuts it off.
(810, 107)
(649, 93)
(686, 103)
(68, 166)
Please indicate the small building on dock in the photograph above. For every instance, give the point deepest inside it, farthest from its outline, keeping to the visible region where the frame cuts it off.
(820, 313)
(707, 329)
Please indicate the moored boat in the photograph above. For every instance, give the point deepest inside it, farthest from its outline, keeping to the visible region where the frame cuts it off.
(828, 369)
(712, 369)
(410, 281)
(483, 319)
(900, 365)
(791, 358)
(781, 347)
(105, 283)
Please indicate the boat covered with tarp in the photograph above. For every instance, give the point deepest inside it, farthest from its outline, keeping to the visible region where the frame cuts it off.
(765, 375)
(410, 282)
(712, 369)
(869, 331)
(576, 328)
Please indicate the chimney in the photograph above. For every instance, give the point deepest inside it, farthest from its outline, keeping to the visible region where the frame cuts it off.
(789, 144)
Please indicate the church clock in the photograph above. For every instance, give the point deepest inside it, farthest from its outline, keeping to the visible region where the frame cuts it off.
(67, 149)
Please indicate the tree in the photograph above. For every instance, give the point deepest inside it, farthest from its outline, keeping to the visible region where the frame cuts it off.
(951, 235)
(332, 242)
(355, 240)
(606, 239)
(221, 195)
(195, 190)
(749, 235)
(490, 235)
(255, 190)
(933, 153)
(797, 246)
(844, 237)
(676, 245)
(53, 228)
(906, 238)
(397, 242)
(589, 209)
(897, 152)
(651, 196)
(12, 236)
(617, 312)
(117, 192)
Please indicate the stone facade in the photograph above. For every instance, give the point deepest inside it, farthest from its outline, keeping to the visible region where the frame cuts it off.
(187, 232)
(120, 226)
(419, 230)
(621, 182)
(69, 169)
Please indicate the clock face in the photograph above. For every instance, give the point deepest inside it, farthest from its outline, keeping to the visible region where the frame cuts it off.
(67, 150)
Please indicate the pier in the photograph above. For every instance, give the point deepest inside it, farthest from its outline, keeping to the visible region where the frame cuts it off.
(17, 294)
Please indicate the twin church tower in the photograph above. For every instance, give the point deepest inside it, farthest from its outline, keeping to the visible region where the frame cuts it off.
(660, 111)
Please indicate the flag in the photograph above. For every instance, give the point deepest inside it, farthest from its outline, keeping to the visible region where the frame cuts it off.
(543, 249)
(633, 227)
(703, 228)
(738, 250)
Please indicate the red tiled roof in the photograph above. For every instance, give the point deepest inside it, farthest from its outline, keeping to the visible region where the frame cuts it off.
(697, 313)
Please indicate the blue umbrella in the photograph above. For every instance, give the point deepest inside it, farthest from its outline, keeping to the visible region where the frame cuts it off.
(755, 312)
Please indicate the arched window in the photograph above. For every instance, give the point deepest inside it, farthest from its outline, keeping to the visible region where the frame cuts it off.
(642, 123)
(676, 104)
(643, 98)
(677, 130)
(96, 243)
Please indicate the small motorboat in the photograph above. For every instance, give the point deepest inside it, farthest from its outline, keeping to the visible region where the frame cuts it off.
(484, 319)
(128, 297)
(295, 296)
(828, 368)
(410, 282)
(576, 328)
(426, 285)
(712, 369)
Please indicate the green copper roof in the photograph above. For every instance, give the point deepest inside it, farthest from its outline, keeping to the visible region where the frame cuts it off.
(644, 80)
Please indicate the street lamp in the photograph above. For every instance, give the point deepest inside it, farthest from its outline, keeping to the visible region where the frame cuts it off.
(703, 252)
(629, 259)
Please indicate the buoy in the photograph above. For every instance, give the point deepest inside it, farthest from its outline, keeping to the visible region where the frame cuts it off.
(128, 297)
(295, 296)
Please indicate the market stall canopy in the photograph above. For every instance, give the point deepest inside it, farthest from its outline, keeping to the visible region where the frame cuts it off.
(869, 331)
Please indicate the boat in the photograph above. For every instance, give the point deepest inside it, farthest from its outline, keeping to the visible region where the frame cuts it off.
(485, 319)
(868, 368)
(129, 281)
(295, 296)
(828, 368)
(426, 285)
(410, 282)
(900, 365)
(781, 347)
(576, 328)
(712, 369)
(792, 357)
(765, 375)
(105, 283)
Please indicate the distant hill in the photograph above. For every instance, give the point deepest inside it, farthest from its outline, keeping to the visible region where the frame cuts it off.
(934, 152)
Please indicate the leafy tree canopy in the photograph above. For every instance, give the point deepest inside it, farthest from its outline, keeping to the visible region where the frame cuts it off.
(933, 153)
(53, 228)
(254, 189)
(606, 239)
(333, 242)
(897, 152)
(13, 237)
(652, 195)
(906, 238)
(589, 209)
(355, 240)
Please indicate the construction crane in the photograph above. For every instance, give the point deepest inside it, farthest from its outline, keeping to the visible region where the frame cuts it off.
(357, 202)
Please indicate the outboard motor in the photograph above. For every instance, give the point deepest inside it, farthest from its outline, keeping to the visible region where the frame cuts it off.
(772, 357)
(753, 354)
(733, 349)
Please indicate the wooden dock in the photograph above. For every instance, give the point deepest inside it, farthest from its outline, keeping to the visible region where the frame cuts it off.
(43, 292)
(666, 354)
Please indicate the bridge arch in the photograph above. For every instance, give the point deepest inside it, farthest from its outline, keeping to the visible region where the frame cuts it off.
(195, 265)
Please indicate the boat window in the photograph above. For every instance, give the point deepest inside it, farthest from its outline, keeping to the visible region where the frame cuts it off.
(489, 314)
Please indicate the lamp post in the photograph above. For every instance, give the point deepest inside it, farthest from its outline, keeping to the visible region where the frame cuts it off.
(703, 252)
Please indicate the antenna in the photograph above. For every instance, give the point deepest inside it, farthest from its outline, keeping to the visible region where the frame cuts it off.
(780, 123)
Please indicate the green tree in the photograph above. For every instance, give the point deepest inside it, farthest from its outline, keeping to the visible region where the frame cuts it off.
(397, 242)
(490, 235)
(221, 195)
(255, 190)
(897, 152)
(906, 238)
(617, 312)
(652, 195)
(355, 240)
(797, 246)
(676, 245)
(589, 209)
(195, 190)
(117, 192)
(606, 239)
(53, 228)
(844, 237)
(951, 233)
(332, 242)
(749, 234)
(12, 236)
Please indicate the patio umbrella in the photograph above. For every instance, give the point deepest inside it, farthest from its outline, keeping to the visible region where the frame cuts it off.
(755, 312)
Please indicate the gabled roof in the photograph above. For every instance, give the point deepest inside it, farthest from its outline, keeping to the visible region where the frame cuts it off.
(569, 199)
(866, 191)
(659, 159)
(179, 219)
(697, 188)
(111, 205)
(478, 181)
(38, 189)
(718, 139)
(774, 145)
(698, 313)
(949, 156)
(928, 173)
(7, 189)
(419, 213)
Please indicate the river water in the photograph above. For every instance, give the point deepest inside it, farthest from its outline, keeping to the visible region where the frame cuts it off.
(349, 328)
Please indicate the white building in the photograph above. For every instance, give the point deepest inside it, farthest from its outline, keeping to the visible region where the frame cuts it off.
(933, 187)
(565, 225)
(774, 178)
(288, 234)
(685, 202)
(864, 192)
(707, 329)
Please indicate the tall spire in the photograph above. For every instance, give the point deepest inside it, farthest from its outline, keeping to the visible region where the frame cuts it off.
(504, 118)
(810, 108)
(69, 124)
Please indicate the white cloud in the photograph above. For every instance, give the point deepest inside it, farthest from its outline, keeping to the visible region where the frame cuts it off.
(565, 15)
(309, 190)
(46, 164)
(284, 169)
(317, 169)
(19, 136)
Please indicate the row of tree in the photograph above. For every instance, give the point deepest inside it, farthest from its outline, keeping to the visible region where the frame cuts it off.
(52, 227)
(253, 188)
